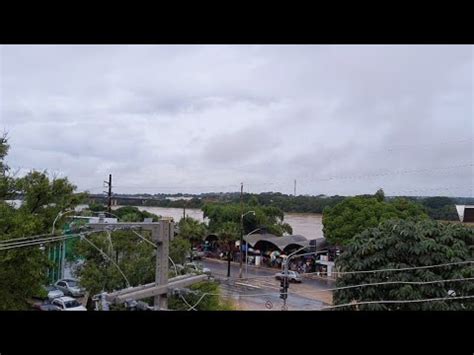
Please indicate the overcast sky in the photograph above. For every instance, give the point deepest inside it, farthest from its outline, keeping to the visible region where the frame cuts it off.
(339, 119)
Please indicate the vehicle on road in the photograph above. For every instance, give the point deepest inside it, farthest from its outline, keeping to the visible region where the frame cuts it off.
(293, 276)
(68, 304)
(70, 287)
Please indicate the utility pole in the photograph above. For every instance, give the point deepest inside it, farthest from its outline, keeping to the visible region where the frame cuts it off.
(161, 234)
(295, 189)
(109, 194)
(241, 228)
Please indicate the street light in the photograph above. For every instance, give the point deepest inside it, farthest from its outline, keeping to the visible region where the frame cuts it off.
(60, 214)
(241, 239)
(247, 251)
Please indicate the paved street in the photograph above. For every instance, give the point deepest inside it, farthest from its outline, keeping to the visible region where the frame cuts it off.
(258, 290)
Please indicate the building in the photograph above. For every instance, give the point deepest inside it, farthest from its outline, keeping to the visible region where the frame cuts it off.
(465, 213)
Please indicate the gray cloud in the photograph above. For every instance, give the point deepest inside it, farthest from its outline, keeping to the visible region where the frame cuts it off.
(205, 118)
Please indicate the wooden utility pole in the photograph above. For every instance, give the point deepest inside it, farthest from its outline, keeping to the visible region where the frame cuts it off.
(241, 228)
(295, 189)
(109, 194)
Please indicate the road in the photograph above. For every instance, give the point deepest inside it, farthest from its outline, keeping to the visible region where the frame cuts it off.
(258, 289)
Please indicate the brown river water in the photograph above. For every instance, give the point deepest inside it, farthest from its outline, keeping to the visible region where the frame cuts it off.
(306, 224)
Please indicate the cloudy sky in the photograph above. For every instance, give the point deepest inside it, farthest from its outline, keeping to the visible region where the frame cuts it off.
(338, 119)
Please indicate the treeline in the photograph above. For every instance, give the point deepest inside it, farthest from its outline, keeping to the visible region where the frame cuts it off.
(438, 207)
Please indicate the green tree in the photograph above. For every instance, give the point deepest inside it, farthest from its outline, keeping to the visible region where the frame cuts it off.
(134, 257)
(355, 214)
(380, 195)
(406, 243)
(192, 230)
(442, 208)
(269, 217)
(23, 270)
(179, 248)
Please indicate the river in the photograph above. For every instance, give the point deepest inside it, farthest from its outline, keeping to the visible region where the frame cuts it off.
(308, 225)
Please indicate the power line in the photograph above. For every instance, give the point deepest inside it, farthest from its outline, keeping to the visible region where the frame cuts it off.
(371, 271)
(385, 283)
(108, 258)
(399, 301)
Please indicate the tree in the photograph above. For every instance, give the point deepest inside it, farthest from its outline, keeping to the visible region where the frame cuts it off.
(228, 234)
(133, 214)
(407, 243)
(266, 217)
(192, 230)
(355, 214)
(380, 195)
(23, 270)
(135, 259)
(179, 247)
(442, 208)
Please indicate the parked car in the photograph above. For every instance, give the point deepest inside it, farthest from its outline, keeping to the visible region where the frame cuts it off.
(196, 268)
(195, 255)
(70, 287)
(49, 293)
(53, 292)
(68, 304)
(45, 306)
(198, 254)
(293, 276)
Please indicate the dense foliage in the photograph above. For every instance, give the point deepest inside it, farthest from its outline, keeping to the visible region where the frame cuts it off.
(133, 214)
(269, 218)
(355, 214)
(402, 244)
(24, 270)
(192, 230)
(441, 208)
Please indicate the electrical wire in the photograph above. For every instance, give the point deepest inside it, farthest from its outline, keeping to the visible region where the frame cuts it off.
(370, 271)
(399, 301)
(26, 238)
(12, 244)
(385, 283)
(109, 258)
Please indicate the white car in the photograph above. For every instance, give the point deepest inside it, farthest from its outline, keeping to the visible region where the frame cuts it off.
(53, 292)
(293, 276)
(70, 287)
(68, 304)
(196, 268)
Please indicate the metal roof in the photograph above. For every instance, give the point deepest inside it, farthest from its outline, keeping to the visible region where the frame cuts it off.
(465, 213)
(280, 242)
